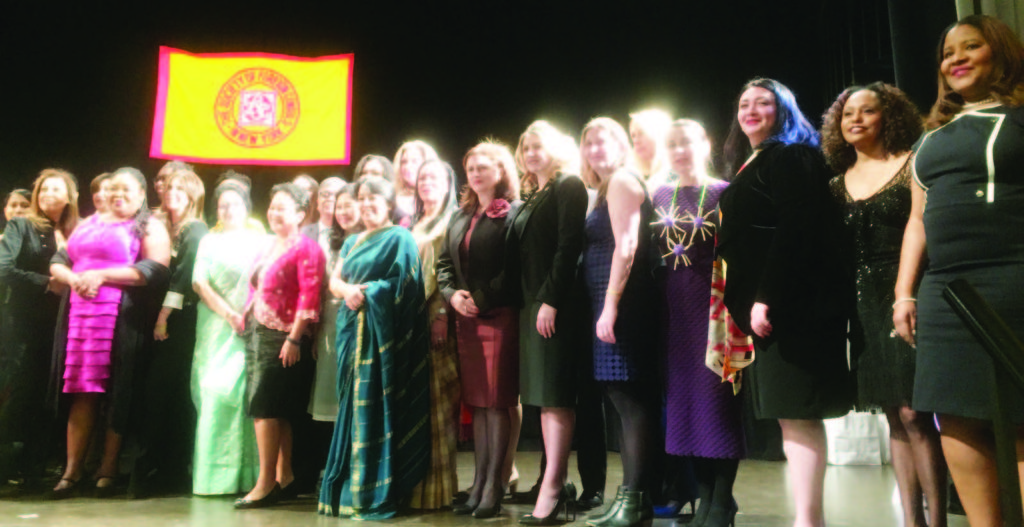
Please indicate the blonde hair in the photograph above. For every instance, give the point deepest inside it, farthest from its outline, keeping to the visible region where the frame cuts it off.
(507, 187)
(426, 151)
(619, 135)
(196, 193)
(69, 217)
(653, 123)
(559, 146)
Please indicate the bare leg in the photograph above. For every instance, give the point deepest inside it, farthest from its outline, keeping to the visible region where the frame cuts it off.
(268, 441)
(556, 425)
(906, 473)
(497, 448)
(81, 419)
(804, 443)
(509, 474)
(970, 452)
(929, 464)
(111, 450)
(284, 472)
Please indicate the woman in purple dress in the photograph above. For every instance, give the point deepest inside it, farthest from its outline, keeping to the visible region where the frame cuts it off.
(107, 255)
(702, 413)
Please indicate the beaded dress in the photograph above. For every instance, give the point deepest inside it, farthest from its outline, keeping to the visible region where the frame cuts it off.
(884, 364)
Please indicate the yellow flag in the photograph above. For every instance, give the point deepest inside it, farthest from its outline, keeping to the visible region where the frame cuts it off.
(253, 108)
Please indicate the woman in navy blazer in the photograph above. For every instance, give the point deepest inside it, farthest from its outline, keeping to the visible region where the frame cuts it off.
(471, 275)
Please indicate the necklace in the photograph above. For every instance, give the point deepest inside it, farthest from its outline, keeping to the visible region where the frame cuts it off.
(672, 225)
(978, 104)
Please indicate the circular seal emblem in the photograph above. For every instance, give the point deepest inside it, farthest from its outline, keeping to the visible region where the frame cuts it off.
(257, 107)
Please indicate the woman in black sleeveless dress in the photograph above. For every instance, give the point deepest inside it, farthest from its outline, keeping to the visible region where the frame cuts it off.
(867, 136)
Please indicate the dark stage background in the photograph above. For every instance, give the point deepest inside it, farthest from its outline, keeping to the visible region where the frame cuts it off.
(78, 82)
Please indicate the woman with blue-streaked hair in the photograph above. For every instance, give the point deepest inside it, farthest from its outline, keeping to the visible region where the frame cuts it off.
(785, 286)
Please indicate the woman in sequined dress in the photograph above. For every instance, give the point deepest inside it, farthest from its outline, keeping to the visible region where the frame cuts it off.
(702, 415)
(866, 137)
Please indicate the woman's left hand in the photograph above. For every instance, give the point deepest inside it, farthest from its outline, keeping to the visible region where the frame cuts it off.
(439, 331)
(759, 320)
(289, 354)
(606, 324)
(89, 283)
(160, 331)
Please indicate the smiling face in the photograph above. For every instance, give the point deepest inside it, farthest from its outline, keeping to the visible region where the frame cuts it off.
(325, 199)
(756, 114)
(53, 196)
(231, 211)
(688, 150)
(175, 197)
(124, 196)
(409, 165)
(17, 207)
(862, 119)
(373, 208)
(536, 158)
(284, 214)
(601, 151)
(432, 183)
(967, 63)
(346, 212)
(482, 174)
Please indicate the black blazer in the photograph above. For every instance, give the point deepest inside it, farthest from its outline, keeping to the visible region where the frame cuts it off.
(548, 235)
(781, 237)
(484, 273)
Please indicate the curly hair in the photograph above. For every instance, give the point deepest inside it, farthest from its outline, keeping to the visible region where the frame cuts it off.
(1007, 77)
(901, 125)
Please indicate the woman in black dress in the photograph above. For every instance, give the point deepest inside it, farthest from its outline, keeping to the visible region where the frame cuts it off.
(30, 303)
(786, 286)
(548, 236)
(866, 136)
(968, 204)
(171, 416)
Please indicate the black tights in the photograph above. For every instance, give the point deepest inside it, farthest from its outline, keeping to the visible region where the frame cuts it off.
(639, 408)
(715, 479)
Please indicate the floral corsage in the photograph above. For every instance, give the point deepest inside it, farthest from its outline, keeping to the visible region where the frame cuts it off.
(498, 208)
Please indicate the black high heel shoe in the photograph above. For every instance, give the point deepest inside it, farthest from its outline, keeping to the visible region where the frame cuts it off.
(482, 513)
(566, 502)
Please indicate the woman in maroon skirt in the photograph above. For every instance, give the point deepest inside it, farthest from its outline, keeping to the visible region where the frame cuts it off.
(471, 273)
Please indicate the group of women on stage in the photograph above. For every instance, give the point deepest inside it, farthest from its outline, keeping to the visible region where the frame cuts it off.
(382, 304)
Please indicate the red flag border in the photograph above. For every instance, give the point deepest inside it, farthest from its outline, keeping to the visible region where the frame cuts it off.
(156, 144)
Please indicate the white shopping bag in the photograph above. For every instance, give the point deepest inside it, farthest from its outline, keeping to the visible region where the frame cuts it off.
(858, 438)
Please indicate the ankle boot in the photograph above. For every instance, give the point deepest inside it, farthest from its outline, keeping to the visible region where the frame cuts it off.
(596, 519)
(634, 509)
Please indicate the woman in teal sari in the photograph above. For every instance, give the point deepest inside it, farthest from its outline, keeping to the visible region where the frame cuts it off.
(381, 444)
(225, 460)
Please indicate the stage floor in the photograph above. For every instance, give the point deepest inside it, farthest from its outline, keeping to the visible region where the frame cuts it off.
(854, 497)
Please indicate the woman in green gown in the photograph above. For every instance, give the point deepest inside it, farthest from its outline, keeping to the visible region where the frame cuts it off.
(381, 445)
(225, 459)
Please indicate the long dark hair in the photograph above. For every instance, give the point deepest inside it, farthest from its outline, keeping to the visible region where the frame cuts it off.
(901, 125)
(451, 197)
(389, 169)
(791, 127)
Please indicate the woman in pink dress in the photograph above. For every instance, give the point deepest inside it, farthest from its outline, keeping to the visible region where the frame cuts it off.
(107, 255)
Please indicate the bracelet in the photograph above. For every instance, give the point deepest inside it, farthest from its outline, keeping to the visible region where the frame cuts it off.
(613, 291)
(902, 300)
(292, 341)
